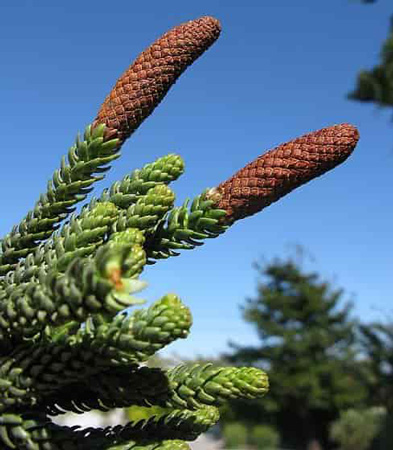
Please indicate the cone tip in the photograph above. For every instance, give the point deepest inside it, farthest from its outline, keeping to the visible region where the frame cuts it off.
(349, 130)
(211, 22)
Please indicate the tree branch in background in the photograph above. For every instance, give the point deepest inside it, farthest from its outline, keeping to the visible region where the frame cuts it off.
(376, 85)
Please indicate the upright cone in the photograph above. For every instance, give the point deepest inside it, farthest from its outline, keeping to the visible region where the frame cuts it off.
(281, 170)
(145, 83)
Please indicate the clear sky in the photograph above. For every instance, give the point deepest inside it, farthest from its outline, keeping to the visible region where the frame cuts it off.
(281, 68)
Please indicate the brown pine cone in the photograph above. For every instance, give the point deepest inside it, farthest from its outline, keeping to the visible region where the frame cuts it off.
(145, 83)
(281, 170)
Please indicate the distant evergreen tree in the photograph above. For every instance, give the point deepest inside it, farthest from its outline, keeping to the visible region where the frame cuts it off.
(376, 85)
(356, 429)
(308, 342)
(377, 348)
(377, 342)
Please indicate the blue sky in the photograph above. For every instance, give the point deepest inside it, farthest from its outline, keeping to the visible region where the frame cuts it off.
(280, 69)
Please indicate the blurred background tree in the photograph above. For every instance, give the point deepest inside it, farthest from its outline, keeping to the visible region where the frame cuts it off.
(235, 435)
(377, 346)
(356, 429)
(308, 341)
(238, 435)
(376, 85)
(377, 349)
(332, 377)
(264, 437)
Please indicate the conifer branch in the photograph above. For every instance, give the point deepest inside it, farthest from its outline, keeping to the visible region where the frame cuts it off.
(134, 338)
(129, 190)
(95, 286)
(91, 350)
(185, 228)
(84, 233)
(62, 347)
(69, 185)
(147, 212)
(185, 387)
(23, 432)
(168, 424)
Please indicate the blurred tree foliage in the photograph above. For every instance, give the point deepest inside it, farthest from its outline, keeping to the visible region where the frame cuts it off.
(264, 437)
(235, 435)
(377, 345)
(356, 429)
(376, 85)
(308, 344)
(238, 435)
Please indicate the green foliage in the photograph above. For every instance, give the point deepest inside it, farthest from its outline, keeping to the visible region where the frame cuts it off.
(384, 440)
(238, 435)
(126, 192)
(136, 413)
(307, 341)
(67, 340)
(377, 346)
(184, 387)
(63, 345)
(356, 429)
(70, 184)
(235, 435)
(186, 228)
(376, 85)
(264, 437)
